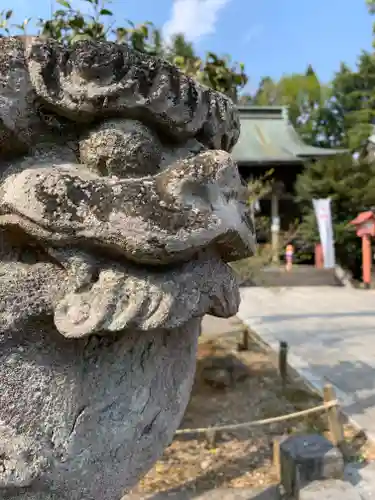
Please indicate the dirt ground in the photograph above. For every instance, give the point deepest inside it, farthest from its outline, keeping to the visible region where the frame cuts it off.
(248, 391)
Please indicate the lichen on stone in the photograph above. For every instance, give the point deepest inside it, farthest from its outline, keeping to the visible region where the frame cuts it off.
(120, 208)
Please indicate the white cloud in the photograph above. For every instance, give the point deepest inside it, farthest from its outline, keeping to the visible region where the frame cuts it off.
(194, 18)
(253, 33)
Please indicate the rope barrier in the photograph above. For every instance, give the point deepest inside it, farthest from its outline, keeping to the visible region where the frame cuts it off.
(281, 418)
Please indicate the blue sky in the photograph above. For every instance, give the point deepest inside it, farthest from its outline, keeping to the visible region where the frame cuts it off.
(271, 37)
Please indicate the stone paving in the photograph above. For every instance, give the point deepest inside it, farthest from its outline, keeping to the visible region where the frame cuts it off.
(363, 479)
(331, 337)
(217, 494)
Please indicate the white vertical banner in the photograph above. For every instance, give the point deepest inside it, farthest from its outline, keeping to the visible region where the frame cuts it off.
(323, 215)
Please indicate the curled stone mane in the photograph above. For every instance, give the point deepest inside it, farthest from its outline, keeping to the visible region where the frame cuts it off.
(120, 208)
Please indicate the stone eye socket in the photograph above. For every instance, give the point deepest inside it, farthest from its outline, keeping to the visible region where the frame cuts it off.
(121, 148)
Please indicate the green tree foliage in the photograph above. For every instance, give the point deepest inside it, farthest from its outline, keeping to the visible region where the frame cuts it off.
(69, 25)
(353, 97)
(371, 9)
(351, 186)
(219, 73)
(308, 102)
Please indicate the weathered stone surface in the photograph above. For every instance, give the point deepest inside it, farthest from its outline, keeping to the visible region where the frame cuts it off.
(167, 299)
(123, 148)
(114, 238)
(307, 458)
(329, 490)
(97, 79)
(193, 204)
(17, 115)
(172, 153)
(24, 121)
(85, 419)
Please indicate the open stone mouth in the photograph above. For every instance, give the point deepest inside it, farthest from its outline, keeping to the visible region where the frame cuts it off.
(160, 242)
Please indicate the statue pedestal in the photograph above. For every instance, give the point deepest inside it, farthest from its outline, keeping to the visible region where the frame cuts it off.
(84, 419)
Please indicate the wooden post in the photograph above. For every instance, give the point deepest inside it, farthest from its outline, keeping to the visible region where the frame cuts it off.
(244, 345)
(366, 260)
(211, 438)
(283, 362)
(335, 426)
(276, 458)
(245, 340)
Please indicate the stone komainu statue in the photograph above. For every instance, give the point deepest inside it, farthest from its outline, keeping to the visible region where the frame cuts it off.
(120, 207)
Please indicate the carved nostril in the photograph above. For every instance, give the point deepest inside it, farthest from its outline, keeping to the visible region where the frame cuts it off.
(194, 194)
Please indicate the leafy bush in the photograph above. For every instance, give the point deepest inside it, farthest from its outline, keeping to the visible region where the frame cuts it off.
(69, 25)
